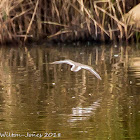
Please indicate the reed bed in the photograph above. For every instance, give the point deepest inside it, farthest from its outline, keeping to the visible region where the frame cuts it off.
(69, 20)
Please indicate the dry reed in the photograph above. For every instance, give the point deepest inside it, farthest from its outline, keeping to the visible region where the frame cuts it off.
(22, 20)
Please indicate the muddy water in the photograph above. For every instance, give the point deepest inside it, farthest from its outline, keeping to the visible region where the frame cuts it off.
(40, 100)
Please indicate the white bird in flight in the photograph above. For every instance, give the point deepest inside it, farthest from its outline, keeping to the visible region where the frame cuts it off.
(77, 66)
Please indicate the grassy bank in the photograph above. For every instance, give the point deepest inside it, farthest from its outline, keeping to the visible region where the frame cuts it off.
(67, 20)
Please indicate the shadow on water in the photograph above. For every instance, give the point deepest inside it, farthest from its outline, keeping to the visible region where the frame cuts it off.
(50, 101)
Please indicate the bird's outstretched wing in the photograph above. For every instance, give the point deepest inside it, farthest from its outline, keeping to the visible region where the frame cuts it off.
(92, 71)
(63, 61)
(78, 66)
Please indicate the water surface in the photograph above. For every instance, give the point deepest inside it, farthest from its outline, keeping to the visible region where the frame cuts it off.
(51, 102)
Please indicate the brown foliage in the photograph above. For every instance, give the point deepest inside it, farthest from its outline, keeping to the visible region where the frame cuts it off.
(63, 20)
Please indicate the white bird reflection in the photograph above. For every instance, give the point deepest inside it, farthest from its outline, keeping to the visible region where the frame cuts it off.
(82, 113)
(78, 66)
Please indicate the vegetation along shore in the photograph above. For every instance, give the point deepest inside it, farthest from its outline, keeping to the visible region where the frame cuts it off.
(69, 20)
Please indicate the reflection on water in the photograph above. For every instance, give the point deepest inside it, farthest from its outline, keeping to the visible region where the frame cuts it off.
(51, 100)
(80, 113)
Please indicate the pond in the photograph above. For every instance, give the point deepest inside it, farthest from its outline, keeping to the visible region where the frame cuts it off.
(39, 100)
